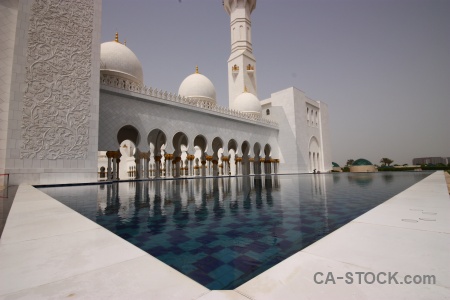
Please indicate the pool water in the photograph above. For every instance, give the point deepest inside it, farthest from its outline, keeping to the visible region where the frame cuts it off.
(222, 232)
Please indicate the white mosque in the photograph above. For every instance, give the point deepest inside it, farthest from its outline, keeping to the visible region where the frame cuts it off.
(75, 110)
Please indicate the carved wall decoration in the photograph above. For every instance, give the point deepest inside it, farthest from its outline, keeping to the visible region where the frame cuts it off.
(56, 105)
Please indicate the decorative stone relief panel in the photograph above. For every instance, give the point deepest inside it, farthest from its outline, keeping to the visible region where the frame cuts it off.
(56, 105)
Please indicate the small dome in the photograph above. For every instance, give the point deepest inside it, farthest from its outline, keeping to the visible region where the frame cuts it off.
(361, 162)
(335, 165)
(118, 60)
(198, 87)
(247, 103)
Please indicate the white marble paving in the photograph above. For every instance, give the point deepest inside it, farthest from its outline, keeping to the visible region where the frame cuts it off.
(48, 251)
(413, 217)
(385, 249)
(378, 241)
(41, 218)
(223, 295)
(139, 278)
(294, 279)
(45, 226)
(43, 260)
(423, 206)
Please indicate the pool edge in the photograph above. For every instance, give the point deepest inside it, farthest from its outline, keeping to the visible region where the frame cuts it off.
(348, 250)
(279, 285)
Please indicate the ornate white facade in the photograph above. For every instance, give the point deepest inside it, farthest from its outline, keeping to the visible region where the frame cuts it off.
(57, 96)
(66, 98)
(49, 98)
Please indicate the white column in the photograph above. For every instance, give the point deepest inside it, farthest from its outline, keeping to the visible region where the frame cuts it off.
(118, 165)
(108, 171)
(114, 169)
(146, 168)
(157, 166)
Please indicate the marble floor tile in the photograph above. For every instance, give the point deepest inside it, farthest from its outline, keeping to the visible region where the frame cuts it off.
(139, 278)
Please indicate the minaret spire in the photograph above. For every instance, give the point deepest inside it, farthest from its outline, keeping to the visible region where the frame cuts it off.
(242, 63)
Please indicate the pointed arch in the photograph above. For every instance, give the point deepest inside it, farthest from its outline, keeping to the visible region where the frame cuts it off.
(128, 132)
(314, 151)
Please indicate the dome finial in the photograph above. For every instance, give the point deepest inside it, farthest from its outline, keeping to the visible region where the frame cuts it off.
(117, 37)
(196, 70)
(245, 89)
(124, 42)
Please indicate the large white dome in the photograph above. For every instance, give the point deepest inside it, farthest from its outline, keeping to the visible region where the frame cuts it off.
(247, 103)
(118, 60)
(198, 87)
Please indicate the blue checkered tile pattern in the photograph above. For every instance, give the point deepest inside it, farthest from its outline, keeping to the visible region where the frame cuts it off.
(222, 232)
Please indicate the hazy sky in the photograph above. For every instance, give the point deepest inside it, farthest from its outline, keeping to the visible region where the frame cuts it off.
(382, 66)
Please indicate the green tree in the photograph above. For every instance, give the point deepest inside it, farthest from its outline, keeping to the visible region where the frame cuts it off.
(350, 162)
(386, 161)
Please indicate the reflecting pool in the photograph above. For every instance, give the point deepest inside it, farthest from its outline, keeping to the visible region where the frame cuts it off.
(222, 232)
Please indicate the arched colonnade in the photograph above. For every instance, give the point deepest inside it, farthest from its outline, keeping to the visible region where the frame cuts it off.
(181, 155)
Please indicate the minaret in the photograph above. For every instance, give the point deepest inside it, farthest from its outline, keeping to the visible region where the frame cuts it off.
(242, 63)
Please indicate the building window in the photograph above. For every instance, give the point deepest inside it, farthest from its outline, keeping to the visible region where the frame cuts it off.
(267, 111)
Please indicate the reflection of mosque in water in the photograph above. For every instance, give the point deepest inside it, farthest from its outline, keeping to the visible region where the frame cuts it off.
(178, 197)
(280, 209)
(361, 179)
(285, 211)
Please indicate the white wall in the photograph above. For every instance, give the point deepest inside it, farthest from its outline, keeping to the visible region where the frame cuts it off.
(289, 108)
(34, 160)
(119, 108)
(8, 23)
(281, 106)
(325, 137)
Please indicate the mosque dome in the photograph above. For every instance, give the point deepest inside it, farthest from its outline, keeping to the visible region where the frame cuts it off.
(118, 60)
(198, 87)
(362, 165)
(335, 165)
(247, 103)
(361, 162)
